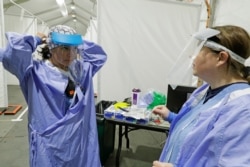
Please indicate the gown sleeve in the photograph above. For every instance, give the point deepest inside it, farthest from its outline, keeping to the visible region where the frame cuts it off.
(17, 56)
(93, 54)
(170, 117)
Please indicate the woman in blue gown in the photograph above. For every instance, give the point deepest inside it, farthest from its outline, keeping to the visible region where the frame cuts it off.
(59, 93)
(212, 129)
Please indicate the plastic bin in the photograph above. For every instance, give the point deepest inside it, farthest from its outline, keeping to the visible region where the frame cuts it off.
(106, 131)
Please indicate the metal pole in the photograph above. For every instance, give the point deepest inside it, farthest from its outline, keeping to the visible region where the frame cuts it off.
(27, 11)
(3, 83)
(211, 13)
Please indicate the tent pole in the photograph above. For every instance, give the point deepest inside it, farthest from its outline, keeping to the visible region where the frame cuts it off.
(211, 13)
(3, 83)
(25, 10)
(210, 17)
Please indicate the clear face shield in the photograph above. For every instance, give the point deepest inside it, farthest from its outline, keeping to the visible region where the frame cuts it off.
(183, 65)
(67, 54)
(201, 40)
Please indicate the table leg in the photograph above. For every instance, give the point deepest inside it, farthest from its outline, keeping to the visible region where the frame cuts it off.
(126, 136)
(119, 146)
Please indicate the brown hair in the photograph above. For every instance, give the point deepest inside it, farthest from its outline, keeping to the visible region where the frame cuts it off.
(237, 40)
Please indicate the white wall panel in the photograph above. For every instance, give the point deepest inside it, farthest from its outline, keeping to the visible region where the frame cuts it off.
(231, 12)
(3, 84)
(143, 39)
(91, 35)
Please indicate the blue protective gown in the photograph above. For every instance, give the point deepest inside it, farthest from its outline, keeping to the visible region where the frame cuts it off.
(215, 134)
(58, 137)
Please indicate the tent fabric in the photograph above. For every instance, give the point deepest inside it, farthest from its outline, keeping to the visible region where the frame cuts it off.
(143, 40)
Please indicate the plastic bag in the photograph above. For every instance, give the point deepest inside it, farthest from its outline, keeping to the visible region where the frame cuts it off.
(153, 98)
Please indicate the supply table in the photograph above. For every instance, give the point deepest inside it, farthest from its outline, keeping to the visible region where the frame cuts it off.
(128, 126)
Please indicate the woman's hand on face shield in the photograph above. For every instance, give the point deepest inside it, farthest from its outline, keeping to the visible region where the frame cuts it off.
(41, 36)
(161, 110)
(162, 164)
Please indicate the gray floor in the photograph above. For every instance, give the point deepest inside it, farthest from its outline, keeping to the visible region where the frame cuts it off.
(145, 146)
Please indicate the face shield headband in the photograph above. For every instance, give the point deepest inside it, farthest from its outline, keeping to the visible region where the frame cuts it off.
(208, 33)
(217, 47)
(66, 39)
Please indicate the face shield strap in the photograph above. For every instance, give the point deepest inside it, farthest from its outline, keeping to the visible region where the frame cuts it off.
(217, 47)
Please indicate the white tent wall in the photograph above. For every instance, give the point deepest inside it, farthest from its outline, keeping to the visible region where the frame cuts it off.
(42, 28)
(3, 82)
(143, 39)
(24, 25)
(91, 35)
(230, 12)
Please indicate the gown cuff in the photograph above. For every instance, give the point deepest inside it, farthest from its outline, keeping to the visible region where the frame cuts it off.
(170, 117)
